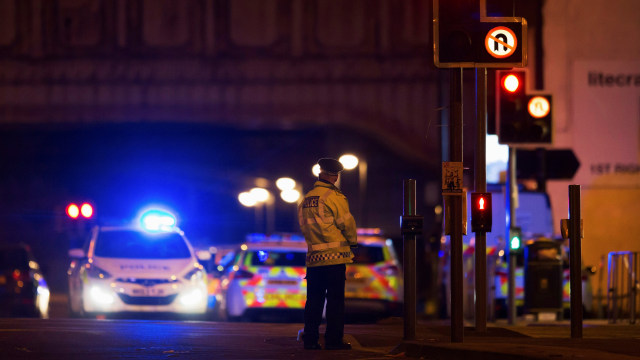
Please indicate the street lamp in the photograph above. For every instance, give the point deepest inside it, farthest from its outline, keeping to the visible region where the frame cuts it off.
(285, 183)
(246, 199)
(349, 161)
(288, 192)
(315, 170)
(291, 195)
(261, 195)
(258, 197)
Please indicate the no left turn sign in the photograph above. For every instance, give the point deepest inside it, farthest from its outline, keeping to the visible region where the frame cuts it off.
(501, 42)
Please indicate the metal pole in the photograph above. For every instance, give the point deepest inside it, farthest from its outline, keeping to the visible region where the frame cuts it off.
(409, 264)
(362, 195)
(633, 293)
(575, 263)
(481, 186)
(610, 288)
(513, 194)
(455, 151)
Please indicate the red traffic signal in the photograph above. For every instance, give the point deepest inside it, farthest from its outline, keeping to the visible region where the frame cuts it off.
(522, 118)
(481, 212)
(512, 83)
(85, 210)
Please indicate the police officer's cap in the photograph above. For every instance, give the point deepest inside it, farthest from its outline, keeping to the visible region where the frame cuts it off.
(330, 166)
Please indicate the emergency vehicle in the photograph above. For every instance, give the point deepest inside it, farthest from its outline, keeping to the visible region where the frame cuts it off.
(267, 275)
(374, 281)
(148, 266)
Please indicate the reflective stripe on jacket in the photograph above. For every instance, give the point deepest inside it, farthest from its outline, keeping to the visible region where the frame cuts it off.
(327, 225)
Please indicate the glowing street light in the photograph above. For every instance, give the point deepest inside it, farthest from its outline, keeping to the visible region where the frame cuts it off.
(315, 170)
(349, 161)
(260, 194)
(290, 195)
(246, 199)
(285, 183)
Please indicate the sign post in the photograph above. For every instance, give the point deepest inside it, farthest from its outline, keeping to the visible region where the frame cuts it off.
(465, 37)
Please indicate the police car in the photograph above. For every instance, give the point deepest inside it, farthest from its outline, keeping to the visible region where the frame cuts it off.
(266, 277)
(374, 280)
(146, 267)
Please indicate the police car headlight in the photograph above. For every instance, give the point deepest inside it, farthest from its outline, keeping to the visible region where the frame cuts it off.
(101, 296)
(192, 297)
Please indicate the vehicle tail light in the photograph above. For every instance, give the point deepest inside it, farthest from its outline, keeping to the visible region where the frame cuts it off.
(20, 275)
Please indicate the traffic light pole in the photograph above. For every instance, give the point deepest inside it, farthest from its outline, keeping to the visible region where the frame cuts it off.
(481, 186)
(575, 261)
(513, 202)
(455, 154)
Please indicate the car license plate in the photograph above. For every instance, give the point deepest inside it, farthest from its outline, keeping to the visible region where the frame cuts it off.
(284, 297)
(148, 292)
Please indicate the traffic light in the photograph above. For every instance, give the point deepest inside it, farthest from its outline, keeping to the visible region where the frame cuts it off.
(83, 211)
(515, 238)
(481, 216)
(522, 118)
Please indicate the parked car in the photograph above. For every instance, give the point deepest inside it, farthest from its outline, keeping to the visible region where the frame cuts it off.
(23, 288)
(374, 282)
(266, 277)
(136, 269)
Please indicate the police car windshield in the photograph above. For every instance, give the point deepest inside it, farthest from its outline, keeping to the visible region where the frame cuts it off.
(130, 244)
(277, 258)
(364, 254)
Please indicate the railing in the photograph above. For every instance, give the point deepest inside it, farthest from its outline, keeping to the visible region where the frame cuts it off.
(622, 285)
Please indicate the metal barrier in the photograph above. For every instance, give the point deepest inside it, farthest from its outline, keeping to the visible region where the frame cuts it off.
(622, 285)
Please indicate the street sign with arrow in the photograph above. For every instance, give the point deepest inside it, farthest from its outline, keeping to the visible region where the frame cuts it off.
(551, 164)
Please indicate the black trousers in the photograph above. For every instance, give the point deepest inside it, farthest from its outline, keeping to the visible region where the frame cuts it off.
(325, 282)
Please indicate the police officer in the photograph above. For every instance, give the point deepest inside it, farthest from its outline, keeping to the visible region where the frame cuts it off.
(330, 232)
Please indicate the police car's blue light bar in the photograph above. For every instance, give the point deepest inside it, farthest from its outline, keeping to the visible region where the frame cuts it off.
(257, 237)
(158, 220)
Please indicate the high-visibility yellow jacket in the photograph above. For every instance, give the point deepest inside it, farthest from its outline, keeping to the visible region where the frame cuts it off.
(327, 225)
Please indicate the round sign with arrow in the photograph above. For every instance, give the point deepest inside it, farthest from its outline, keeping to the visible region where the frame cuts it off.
(501, 42)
